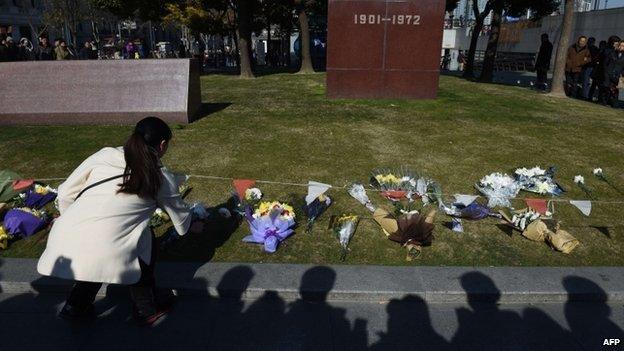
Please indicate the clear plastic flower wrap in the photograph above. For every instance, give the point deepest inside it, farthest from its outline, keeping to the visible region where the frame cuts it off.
(538, 180)
(358, 192)
(499, 189)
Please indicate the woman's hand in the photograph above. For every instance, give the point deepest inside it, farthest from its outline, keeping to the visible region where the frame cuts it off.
(197, 227)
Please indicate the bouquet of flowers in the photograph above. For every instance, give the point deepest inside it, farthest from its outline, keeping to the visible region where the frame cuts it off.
(315, 209)
(499, 189)
(4, 238)
(344, 227)
(412, 231)
(580, 181)
(395, 185)
(473, 212)
(358, 192)
(24, 222)
(39, 196)
(246, 195)
(538, 181)
(535, 228)
(270, 223)
(9, 186)
(598, 172)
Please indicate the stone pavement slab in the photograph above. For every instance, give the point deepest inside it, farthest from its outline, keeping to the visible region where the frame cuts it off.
(358, 283)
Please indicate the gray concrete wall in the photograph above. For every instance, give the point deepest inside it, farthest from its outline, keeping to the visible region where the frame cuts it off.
(525, 36)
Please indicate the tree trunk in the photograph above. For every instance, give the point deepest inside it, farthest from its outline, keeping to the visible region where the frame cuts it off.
(287, 57)
(304, 35)
(267, 54)
(487, 73)
(476, 31)
(562, 49)
(243, 32)
(474, 39)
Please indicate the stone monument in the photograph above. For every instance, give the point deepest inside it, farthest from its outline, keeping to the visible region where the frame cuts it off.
(99, 92)
(384, 48)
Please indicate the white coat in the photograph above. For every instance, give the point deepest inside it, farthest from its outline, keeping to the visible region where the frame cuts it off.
(101, 236)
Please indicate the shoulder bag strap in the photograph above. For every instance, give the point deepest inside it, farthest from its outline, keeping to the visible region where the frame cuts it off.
(98, 183)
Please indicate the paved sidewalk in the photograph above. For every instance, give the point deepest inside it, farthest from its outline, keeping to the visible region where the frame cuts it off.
(359, 283)
(269, 323)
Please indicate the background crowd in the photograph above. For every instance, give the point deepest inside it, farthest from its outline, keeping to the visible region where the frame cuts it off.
(44, 50)
(593, 73)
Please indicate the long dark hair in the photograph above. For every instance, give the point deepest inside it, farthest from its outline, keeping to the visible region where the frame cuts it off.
(142, 176)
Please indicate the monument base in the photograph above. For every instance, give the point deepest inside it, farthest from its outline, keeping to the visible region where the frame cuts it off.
(99, 92)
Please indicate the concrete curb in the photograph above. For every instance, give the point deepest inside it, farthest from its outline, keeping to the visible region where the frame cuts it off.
(358, 283)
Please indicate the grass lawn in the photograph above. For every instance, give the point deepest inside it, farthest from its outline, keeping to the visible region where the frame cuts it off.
(281, 127)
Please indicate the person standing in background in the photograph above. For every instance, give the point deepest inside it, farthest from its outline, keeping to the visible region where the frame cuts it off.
(86, 53)
(26, 50)
(589, 67)
(578, 56)
(601, 70)
(542, 62)
(45, 51)
(614, 68)
(61, 52)
(12, 51)
(596, 73)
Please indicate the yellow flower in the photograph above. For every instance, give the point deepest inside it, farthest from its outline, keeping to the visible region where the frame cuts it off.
(347, 218)
(387, 179)
(42, 190)
(4, 239)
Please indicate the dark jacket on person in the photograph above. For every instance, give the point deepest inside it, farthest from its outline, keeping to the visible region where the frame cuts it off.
(577, 58)
(3, 53)
(613, 68)
(12, 53)
(45, 53)
(544, 56)
(26, 54)
(85, 54)
(595, 56)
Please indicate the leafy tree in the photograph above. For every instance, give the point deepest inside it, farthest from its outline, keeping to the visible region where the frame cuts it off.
(564, 43)
(244, 17)
(480, 16)
(278, 12)
(201, 16)
(61, 13)
(303, 8)
(147, 10)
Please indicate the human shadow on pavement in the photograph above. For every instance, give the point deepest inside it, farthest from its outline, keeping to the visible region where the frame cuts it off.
(409, 327)
(588, 314)
(310, 319)
(484, 326)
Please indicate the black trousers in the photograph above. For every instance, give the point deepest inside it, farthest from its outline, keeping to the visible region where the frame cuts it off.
(142, 292)
(542, 77)
(572, 83)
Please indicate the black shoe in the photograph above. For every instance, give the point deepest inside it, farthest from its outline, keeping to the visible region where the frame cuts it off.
(73, 313)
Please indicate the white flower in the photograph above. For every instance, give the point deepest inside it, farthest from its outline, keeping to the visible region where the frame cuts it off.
(406, 179)
(253, 194)
(158, 212)
(497, 181)
(598, 172)
(533, 172)
(579, 179)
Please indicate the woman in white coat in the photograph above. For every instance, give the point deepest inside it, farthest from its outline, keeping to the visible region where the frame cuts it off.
(103, 234)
